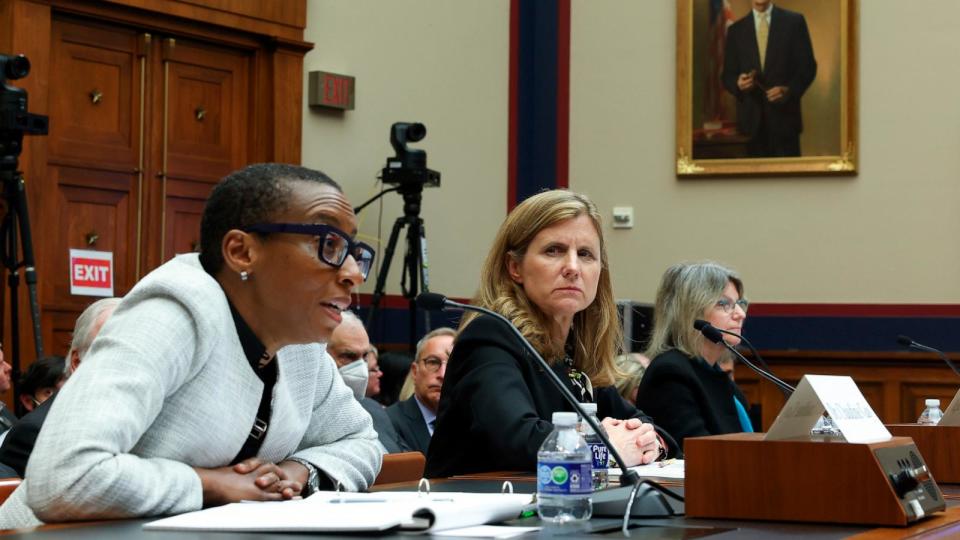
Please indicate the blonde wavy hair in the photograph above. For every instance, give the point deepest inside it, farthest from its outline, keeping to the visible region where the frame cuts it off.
(596, 333)
(686, 291)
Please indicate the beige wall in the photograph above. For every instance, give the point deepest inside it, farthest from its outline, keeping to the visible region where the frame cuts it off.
(444, 64)
(887, 235)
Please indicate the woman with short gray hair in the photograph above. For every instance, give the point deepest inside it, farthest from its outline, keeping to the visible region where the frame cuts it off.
(684, 387)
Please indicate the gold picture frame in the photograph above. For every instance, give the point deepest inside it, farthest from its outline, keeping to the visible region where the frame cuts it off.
(709, 139)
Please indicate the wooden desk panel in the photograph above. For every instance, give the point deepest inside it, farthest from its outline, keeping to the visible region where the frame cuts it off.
(894, 383)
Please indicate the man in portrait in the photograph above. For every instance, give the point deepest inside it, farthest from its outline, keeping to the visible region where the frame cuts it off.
(768, 65)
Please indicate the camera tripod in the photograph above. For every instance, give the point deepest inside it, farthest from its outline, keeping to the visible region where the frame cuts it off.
(415, 263)
(15, 121)
(16, 218)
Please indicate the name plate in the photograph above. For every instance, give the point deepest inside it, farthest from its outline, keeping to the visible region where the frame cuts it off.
(836, 395)
(951, 415)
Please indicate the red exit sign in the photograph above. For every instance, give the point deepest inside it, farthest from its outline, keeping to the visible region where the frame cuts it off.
(331, 90)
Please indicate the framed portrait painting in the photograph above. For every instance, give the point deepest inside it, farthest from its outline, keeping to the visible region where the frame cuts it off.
(766, 88)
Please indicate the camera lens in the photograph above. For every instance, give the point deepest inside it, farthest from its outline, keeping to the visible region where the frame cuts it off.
(416, 132)
(15, 67)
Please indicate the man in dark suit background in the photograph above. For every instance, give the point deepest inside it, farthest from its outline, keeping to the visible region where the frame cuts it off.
(19, 442)
(414, 417)
(349, 346)
(768, 65)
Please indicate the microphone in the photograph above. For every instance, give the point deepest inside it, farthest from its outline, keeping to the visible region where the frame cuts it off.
(430, 300)
(715, 335)
(700, 323)
(911, 344)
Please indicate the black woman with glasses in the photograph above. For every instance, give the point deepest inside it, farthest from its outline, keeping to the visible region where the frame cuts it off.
(210, 383)
(684, 387)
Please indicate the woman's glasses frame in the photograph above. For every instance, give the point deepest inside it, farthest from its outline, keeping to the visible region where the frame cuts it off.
(362, 253)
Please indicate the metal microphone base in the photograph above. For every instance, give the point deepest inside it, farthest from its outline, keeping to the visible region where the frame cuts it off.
(649, 503)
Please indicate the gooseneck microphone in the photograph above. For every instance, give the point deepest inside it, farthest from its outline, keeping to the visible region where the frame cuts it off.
(911, 344)
(430, 300)
(715, 335)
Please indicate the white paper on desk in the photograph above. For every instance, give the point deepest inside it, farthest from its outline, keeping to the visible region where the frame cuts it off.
(671, 468)
(951, 415)
(488, 531)
(837, 395)
(354, 512)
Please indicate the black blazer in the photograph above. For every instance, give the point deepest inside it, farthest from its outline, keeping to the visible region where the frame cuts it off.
(689, 397)
(18, 444)
(789, 62)
(383, 426)
(410, 425)
(496, 405)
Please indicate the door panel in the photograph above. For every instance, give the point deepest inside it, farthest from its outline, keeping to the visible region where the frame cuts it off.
(97, 204)
(94, 116)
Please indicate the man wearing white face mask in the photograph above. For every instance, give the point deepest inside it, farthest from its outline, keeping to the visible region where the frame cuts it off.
(350, 348)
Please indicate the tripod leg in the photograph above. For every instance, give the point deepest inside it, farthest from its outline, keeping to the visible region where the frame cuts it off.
(19, 205)
(424, 268)
(411, 270)
(384, 269)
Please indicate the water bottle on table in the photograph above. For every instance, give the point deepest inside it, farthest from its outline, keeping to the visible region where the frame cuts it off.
(564, 473)
(601, 456)
(932, 414)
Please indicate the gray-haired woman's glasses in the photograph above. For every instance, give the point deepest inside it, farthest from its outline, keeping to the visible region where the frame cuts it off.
(334, 246)
(727, 305)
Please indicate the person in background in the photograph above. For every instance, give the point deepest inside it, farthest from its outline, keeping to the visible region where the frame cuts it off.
(350, 348)
(7, 418)
(768, 66)
(547, 273)
(632, 367)
(19, 442)
(44, 377)
(414, 418)
(208, 384)
(684, 386)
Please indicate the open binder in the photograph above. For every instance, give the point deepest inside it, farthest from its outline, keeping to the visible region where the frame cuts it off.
(354, 512)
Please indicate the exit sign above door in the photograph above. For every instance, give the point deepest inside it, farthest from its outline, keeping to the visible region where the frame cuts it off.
(332, 90)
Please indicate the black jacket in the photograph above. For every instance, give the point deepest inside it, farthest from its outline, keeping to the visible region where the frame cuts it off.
(789, 62)
(383, 426)
(496, 405)
(689, 397)
(19, 443)
(408, 420)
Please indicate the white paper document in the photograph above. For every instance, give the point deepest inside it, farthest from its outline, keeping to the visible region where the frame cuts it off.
(354, 512)
(668, 468)
(836, 395)
(489, 531)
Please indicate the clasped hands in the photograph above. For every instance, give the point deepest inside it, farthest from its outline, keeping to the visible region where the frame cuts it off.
(636, 442)
(774, 94)
(252, 480)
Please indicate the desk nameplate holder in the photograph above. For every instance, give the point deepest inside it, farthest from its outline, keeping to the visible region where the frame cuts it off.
(864, 477)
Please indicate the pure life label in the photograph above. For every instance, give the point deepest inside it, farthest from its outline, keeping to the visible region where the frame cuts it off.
(564, 478)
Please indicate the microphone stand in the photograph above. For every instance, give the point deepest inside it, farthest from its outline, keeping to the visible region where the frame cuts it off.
(714, 334)
(756, 354)
(911, 344)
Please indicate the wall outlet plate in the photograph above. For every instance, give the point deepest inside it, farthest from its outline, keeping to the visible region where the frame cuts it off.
(622, 217)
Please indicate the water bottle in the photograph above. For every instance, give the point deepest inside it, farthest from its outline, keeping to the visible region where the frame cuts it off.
(601, 456)
(932, 414)
(564, 473)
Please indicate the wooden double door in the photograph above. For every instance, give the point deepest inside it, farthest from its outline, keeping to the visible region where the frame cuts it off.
(142, 125)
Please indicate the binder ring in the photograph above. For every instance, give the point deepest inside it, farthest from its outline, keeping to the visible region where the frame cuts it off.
(423, 488)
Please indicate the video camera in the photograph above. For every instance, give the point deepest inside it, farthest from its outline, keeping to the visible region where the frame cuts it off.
(408, 167)
(15, 121)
